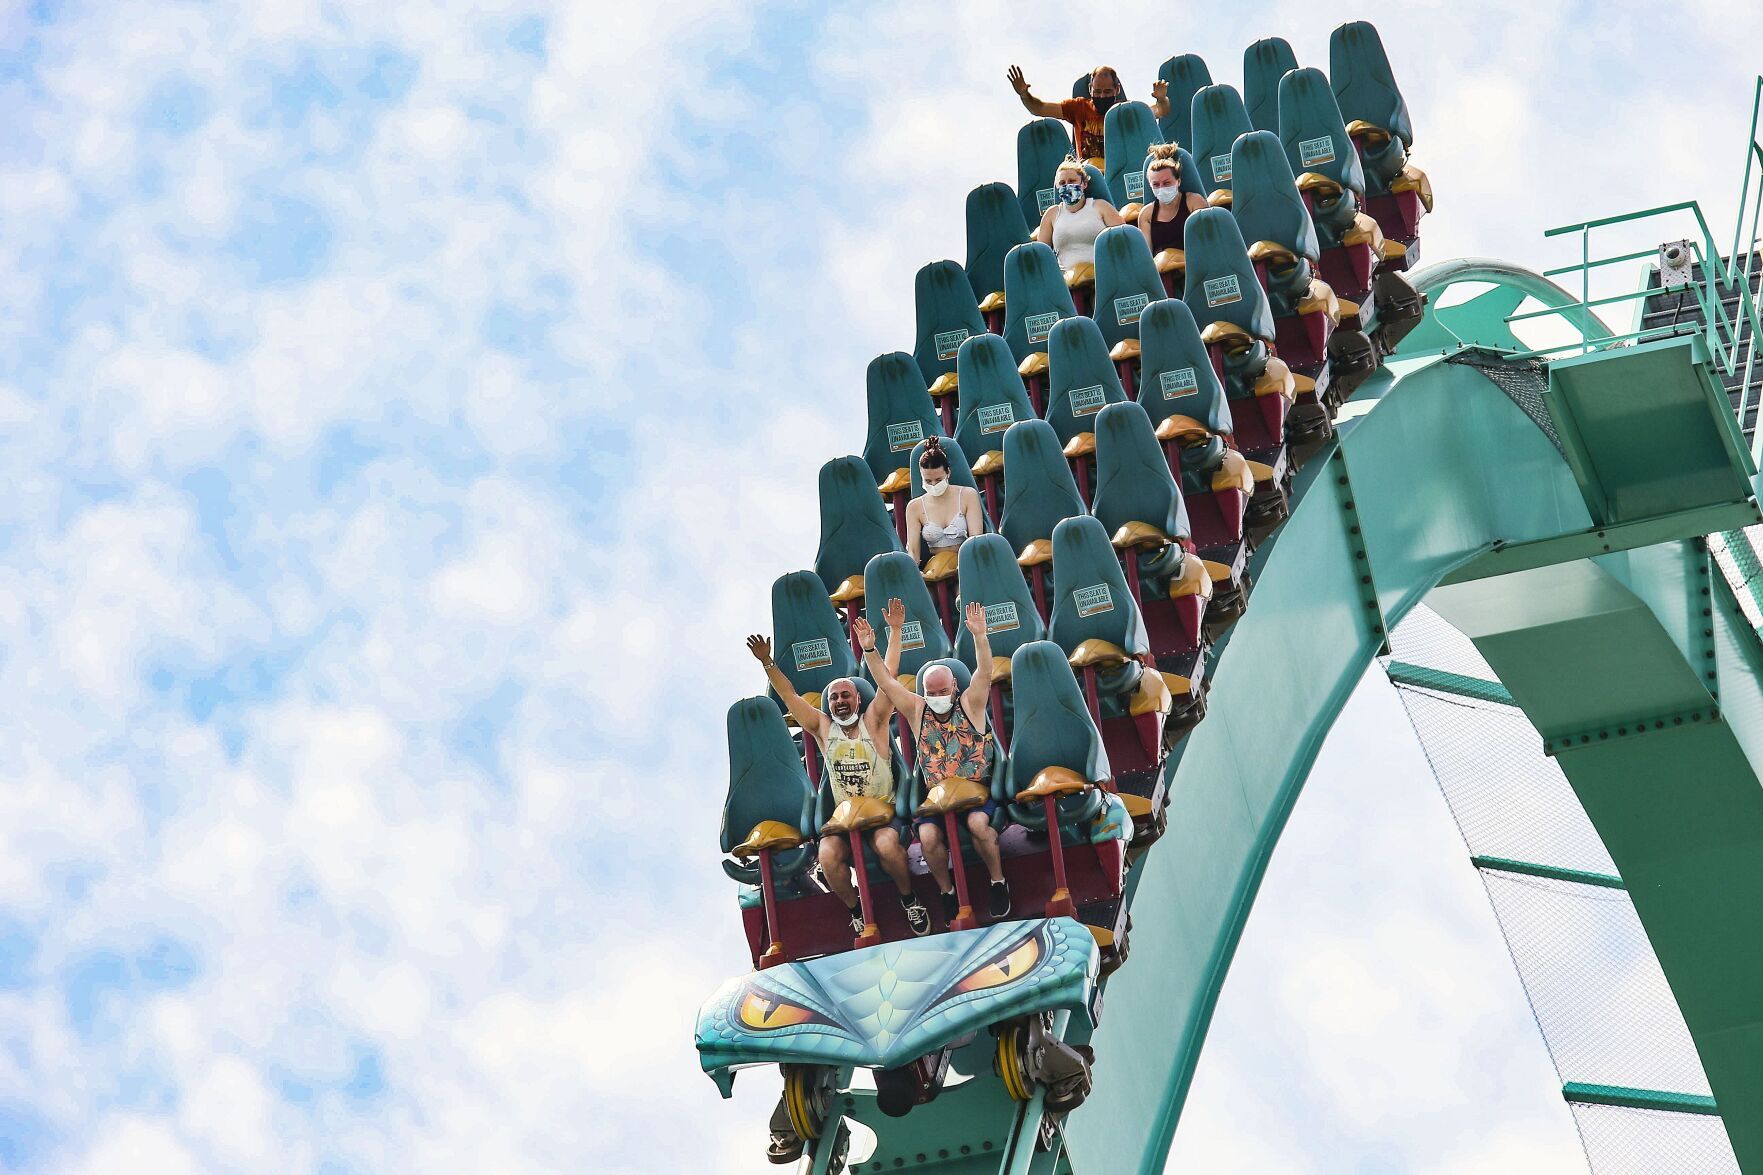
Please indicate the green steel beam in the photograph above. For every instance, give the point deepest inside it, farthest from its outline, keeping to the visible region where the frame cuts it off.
(1551, 872)
(1504, 559)
(1580, 1093)
(1442, 467)
(1441, 681)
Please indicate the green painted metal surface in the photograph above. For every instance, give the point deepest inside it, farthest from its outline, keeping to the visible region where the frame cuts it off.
(1551, 872)
(1441, 469)
(1638, 1099)
(1448, 683)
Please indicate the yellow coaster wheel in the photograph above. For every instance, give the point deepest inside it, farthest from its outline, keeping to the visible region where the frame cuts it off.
(1011, 1061)
(808, 1091)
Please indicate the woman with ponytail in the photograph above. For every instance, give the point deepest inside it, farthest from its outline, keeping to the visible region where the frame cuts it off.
(944, 516)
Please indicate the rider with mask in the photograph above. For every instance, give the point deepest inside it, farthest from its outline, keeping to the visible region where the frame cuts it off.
(945, 515)
(1087, 115)
(855, 746)
(1072, 224)
(1164, 218)
(953, 741)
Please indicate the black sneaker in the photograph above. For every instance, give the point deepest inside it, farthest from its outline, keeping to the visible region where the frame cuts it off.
(1000, 898)
(856, 913)
(917, 916)
(951, 906)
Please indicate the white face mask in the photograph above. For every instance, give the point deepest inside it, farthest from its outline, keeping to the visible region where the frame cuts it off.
(1166, 195)
(940, 706)
(937, 489)
(849, 719)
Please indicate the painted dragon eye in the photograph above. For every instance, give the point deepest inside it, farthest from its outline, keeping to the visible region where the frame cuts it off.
(1014, 964)
(763, 1011)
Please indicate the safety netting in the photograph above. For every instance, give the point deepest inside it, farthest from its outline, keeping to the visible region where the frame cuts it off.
(1606, 1012)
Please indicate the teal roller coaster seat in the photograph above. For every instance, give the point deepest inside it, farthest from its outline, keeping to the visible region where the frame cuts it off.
(1375, 114)
(948, 315)
(1221, 285)
(1185, 75)
(1135, 490)
(991, 396)
(1053, 729)
(1131, 130)
(990, 575)
(894, 576)
(1039, 492)
(1126, 282)
(1218, 118)
(1081, 378)
(1040, 146)
(1271, 215)
(960, 469)
(767, 784)
(854, 526)
(1035, 296)
(1091, 602)
(1099, 188)
(1264, 64)
(808, 643)
(1175, 373)
(900, 413)
(1320, 153)
(994, 227)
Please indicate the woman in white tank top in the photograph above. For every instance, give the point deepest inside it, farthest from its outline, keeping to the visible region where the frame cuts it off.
(1072, 225)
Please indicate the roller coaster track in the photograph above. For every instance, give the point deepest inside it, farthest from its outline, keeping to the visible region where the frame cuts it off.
(1555, 509)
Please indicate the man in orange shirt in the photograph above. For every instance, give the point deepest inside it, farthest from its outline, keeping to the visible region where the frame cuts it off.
(1086, 114)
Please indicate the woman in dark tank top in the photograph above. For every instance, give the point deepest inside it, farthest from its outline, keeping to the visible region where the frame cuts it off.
(1164, 217)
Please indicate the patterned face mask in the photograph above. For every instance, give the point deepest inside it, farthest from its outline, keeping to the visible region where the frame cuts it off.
(1070, 193)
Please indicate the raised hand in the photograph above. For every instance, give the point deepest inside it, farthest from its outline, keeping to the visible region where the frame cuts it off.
(1159, 89)
(865, 634)
(1017, 81)
(760, 647)
(894, 613)
(976, 619)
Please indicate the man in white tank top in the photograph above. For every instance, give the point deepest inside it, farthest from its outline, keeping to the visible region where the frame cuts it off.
(858, 755)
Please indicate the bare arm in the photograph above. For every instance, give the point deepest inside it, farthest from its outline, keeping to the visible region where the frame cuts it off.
(973, 698)
(914, 524)
(1195, 202)
(1110, 216)
(880, 709)
(976, 521)
(806, 716)
(1160, 98)
(1031, 103)
(1143, 219)
(903, 699)
(1044, 234)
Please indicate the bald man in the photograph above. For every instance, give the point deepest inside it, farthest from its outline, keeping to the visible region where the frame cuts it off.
(857, 751)
(952, 741)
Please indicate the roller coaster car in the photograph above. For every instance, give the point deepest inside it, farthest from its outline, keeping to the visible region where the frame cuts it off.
(1219, 119)
(1185, 75)
(990, 400)
(1040, 147)
(991, 576)
(767, 823)
(1265, 63)
(820, 1018)
(1081, 382)
(1270, 405)
(810, 643)
(1037, 298)
(1129, 129)
(1397, 193)
(994, 227)
(1041, 492)
(1283, 248)
(1182, 395)
(900, 416)
(1127, 281)
(948, 315)
(1140, 505)
(1097, 622)
(854, 528)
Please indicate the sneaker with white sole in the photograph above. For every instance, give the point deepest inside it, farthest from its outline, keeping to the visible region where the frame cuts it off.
(1000, 899)
(856, 913)
(917, 916)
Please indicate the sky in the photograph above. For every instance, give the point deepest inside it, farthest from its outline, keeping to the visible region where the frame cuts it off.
(405, 408)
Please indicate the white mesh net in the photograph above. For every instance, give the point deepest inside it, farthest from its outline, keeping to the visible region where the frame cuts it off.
(1604, 1007)
(1623, 1141)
